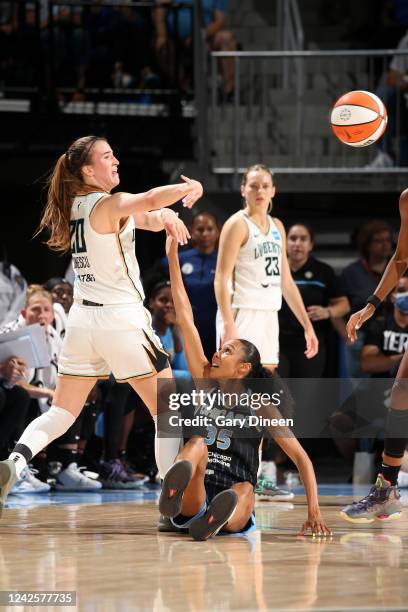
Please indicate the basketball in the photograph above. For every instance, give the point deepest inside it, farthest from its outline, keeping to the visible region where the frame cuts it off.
(359, 118)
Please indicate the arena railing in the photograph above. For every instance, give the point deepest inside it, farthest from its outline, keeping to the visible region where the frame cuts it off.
(287, 125)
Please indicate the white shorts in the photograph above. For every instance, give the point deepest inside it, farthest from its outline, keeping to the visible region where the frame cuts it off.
(261, 327)
(117, 339)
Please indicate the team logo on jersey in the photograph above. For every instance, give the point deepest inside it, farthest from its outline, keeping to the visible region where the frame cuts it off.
(187, 268)
(264, 248)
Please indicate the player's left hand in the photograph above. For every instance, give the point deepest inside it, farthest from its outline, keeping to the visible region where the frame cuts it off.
(316, 524)
(195, 191)
(312, 343)
(175, 226)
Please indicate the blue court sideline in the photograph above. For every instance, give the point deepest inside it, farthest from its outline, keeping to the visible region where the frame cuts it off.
(151, 492)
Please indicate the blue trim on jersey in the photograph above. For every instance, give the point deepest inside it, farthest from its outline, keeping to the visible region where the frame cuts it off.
(306, 282)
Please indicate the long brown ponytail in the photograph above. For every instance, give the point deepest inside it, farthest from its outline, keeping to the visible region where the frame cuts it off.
(64, 183)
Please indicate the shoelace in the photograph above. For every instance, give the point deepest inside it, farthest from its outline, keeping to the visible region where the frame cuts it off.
(26, 473)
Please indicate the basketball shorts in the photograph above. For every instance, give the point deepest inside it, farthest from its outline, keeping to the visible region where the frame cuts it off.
(212, 490)
(261, 327)
(111, 339)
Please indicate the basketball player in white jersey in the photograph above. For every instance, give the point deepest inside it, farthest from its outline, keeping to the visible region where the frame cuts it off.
(252, 274)
(108, 328)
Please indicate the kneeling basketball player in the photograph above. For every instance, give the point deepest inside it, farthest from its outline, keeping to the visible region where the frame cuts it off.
(210, 487)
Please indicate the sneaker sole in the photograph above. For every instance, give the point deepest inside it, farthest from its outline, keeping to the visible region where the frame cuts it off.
(220, 510)
(7, 481)
(177, 479)
(31, 492)
(264, 497)
(365, 521)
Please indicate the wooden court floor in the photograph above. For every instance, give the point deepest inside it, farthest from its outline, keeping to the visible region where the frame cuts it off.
(113, 557)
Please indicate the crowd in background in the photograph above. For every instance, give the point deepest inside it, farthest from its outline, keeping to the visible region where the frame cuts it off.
(115, 46)
(111, 443)
(121, 47)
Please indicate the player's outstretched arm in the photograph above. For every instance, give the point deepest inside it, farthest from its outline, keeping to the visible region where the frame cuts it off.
(121, 205)
(300, 458)
(196, 360)
(163, 219)
(392, 273)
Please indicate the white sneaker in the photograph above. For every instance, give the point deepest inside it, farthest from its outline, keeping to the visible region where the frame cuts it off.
(381, 160)
(403, 479)
(28, 483)
(73, 479)
(268, 471)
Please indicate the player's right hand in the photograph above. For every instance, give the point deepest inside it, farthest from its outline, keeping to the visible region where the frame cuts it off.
(356, 321)
(316, 524)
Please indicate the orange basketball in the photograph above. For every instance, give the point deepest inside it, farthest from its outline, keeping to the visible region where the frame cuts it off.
(359, 118)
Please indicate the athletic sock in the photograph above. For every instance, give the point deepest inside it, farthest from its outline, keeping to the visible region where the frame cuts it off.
(390, 473)
(39, 433)
(165, 450)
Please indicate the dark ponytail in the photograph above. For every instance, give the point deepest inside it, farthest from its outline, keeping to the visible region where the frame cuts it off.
(259, 372)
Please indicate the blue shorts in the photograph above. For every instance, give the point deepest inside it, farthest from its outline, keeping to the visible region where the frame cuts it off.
(213, 490)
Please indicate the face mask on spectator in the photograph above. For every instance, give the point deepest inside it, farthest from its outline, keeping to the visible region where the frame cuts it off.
(402, 303)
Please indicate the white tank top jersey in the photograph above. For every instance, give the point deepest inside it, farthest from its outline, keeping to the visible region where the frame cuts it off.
(105, 265)
(256, 280)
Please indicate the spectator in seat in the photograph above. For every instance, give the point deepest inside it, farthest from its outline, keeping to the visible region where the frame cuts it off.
(324, 299)
(164, 323)
(40, 385)
(361, 277)
(62, 293)
(385, 342)
(13, 289)
(170, 23)
(393, 147)
(14, 403)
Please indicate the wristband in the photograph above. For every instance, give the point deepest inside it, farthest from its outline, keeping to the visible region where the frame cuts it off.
(374, 301)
